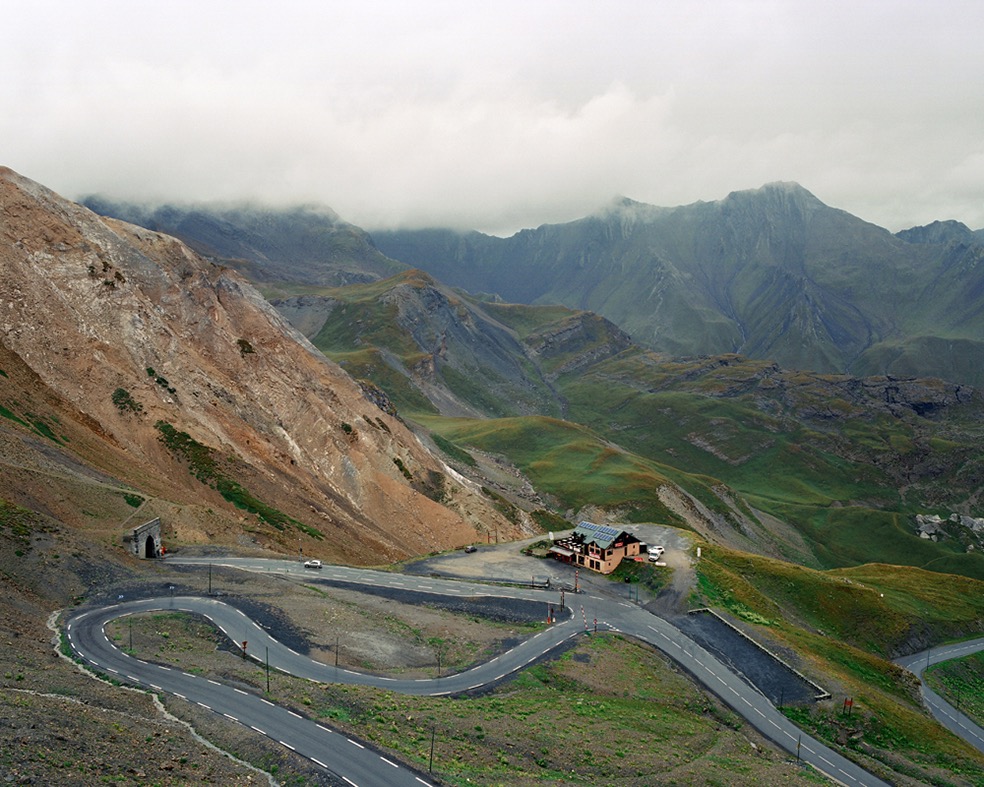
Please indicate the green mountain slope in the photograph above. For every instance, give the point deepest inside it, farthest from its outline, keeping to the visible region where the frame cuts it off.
(720, 442)
(848, 461)
(435, 350)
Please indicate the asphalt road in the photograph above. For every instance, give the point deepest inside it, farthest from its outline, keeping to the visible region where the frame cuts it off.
(945, 713)
(359, 765)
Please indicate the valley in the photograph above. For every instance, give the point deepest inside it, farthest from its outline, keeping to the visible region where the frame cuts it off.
(340, 404)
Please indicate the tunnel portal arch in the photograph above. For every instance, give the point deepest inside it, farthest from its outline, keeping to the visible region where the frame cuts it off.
(145, 540)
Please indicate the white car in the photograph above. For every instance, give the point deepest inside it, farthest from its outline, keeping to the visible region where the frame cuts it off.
(655, 553)
(312, 564)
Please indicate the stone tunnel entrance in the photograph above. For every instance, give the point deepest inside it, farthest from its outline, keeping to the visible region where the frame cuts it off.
(145, 540)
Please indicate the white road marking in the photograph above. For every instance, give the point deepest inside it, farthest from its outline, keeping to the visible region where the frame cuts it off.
(355, 743)
(389, 762)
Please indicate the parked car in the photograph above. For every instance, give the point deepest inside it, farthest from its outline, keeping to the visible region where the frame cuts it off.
(471, 548)
(312, 564)
(655, 553)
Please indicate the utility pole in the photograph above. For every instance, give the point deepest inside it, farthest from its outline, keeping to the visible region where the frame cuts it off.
(268, 667)
(430, 765)
(210, 579)
(131, 634)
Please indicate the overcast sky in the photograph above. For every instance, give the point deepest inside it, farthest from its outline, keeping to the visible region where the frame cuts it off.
(499, 115)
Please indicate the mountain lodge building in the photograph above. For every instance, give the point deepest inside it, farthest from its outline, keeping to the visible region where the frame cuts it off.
(596, 547)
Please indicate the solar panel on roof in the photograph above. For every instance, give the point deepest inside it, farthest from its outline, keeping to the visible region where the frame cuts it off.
(602, 530)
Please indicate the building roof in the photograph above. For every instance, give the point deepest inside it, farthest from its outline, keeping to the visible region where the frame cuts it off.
(602, 535)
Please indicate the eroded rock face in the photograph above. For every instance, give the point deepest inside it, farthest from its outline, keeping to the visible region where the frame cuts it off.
(95, 305)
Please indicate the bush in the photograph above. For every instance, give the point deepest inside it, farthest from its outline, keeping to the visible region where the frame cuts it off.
(126, 403)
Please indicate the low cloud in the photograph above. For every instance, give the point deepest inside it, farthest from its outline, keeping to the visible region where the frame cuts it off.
(499, 118)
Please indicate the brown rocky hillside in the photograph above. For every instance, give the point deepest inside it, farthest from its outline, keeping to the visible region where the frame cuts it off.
(115, 337)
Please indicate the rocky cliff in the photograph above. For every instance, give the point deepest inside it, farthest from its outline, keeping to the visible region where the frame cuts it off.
(182, 366)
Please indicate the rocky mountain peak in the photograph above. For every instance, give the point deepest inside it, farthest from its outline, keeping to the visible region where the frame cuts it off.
(940, 232)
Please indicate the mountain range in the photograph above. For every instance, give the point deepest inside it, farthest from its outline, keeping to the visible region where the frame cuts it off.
(771, 273)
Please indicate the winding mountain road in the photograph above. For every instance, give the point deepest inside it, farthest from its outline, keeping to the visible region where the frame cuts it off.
(359, 765)
(945, 713)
